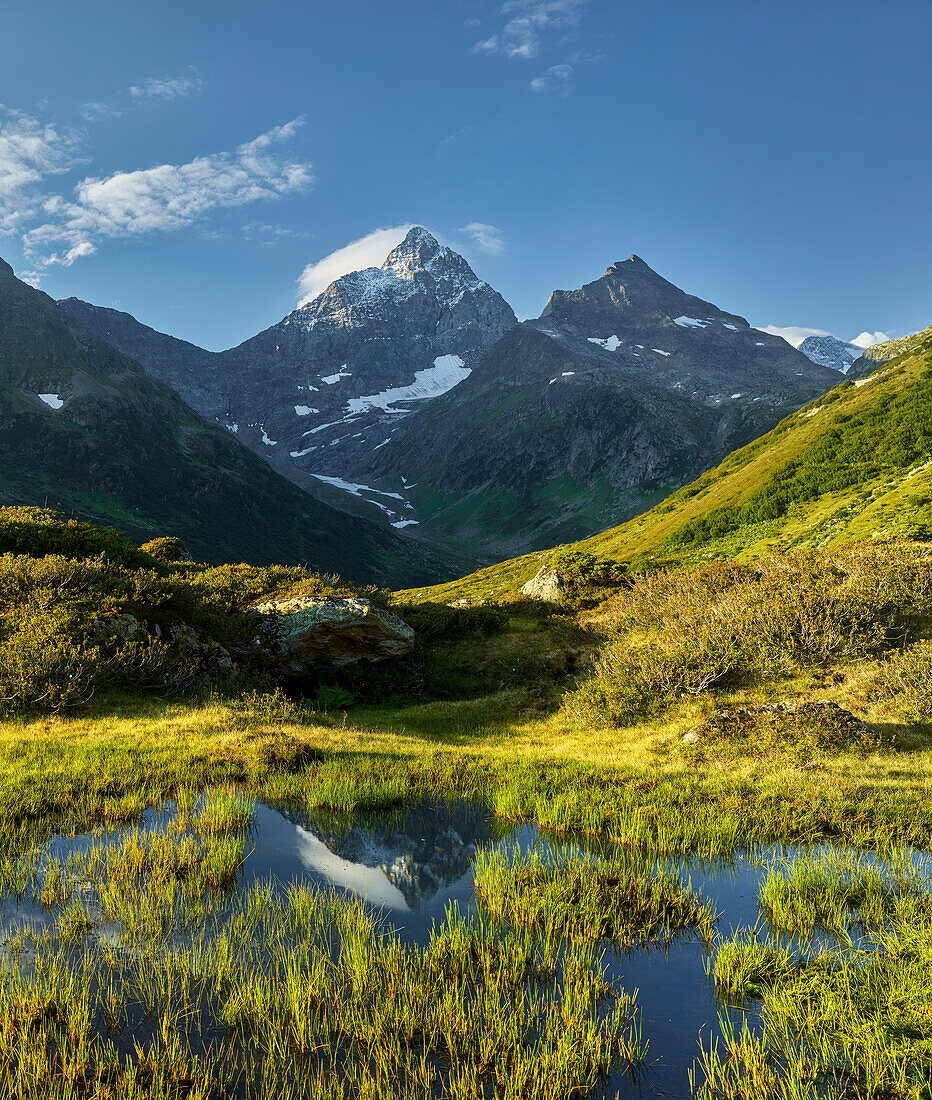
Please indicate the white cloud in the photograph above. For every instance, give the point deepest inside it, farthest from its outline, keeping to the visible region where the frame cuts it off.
(368, 251)
(166, 88)
(167, 197)
(555, 79)
(29, 151)
(487, 237)
(530, 20)
(868, 339)
(793, 334)
(93, 112)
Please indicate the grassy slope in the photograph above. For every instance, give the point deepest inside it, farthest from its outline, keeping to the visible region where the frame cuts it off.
(849, 465)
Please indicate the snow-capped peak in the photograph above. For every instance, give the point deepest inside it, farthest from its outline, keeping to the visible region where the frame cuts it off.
(829, 351)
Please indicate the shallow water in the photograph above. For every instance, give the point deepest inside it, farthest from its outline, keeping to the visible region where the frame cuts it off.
(414, 864)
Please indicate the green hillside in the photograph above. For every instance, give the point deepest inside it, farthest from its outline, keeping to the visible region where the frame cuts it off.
(854, 463)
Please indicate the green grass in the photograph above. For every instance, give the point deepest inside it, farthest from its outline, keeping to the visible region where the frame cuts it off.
(840, 1022)
(295, 993)
(581, 897)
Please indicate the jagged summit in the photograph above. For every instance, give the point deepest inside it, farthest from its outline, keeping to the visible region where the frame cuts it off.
(631, 293)
(414, 253)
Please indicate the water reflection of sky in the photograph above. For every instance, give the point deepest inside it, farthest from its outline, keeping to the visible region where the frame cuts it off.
(415, 865)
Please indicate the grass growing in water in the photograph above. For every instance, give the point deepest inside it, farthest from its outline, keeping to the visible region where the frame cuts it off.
(591, 898)
(839, 1024)
(303, 996)
(832, 890)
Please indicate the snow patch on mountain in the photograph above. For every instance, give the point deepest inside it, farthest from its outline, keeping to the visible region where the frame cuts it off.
(691, 322)
(332, 379)
(448, 371)
(51, 399)
(612, 343)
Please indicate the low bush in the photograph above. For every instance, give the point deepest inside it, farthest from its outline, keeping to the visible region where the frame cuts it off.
(906, 678)
(587, 579)
(684, 632)
(100, 611)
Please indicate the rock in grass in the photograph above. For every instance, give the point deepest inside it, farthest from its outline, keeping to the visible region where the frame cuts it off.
(300, 632)
(548, 585)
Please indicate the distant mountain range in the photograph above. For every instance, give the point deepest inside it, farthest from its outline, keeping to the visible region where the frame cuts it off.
(831, 352)
(410, 394)
(85, 430)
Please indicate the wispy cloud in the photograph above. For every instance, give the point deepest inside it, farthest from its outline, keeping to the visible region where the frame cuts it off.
(530, 20)
(30, 150)
(487, 237)
(167, 197)
(92, 112)
(154, 87)
(368, 251)
(556, 79)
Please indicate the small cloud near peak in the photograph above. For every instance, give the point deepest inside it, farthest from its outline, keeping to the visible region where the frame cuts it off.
(367, 251)
(868, 339)
(487, 237)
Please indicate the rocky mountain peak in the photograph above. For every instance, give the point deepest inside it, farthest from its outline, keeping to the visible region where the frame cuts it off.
(632, 295)
(419, 252)
(829, 351)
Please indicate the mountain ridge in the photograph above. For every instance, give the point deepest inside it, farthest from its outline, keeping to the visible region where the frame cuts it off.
(410, 392)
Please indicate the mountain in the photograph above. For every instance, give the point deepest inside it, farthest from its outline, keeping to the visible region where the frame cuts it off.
(619, 392)
(829, 351)
(84, 429)
(410, 392)
(340, 371)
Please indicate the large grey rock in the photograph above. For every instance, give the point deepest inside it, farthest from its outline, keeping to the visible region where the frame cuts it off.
(302, 631)
(546, 584)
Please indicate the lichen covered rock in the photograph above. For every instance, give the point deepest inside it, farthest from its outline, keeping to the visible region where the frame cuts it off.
(300, 632)
(547, 584)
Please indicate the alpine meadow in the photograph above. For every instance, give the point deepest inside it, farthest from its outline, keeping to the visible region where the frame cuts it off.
(419, 681)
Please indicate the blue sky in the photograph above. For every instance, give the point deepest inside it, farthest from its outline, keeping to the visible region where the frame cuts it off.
(187, 162)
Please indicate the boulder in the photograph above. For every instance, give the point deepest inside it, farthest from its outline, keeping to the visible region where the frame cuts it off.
(300, 632)
(547, 585)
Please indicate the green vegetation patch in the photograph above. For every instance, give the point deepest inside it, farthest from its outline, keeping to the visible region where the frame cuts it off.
(591, 898)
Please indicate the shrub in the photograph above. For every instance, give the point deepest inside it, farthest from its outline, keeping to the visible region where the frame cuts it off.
(681, 632)
(587, 579)
(167, 549)
(440, 620)
(906, 678)
(40, 531)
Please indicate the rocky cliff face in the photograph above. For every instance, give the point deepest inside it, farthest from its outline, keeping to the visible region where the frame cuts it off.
(829, 351)
(84, 429)
(620, 392)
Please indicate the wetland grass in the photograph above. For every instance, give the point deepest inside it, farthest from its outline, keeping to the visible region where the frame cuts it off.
(303, 995)
(579, 896)
(846, 1022)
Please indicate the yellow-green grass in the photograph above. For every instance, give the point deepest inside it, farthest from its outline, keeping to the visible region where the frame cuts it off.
(302, 995)
(838, 1022)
